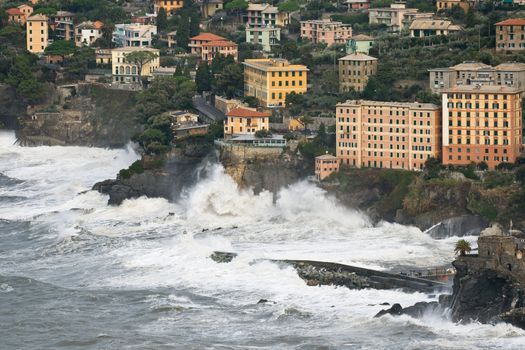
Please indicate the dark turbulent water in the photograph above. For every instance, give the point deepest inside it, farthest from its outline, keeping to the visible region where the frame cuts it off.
(78, 274)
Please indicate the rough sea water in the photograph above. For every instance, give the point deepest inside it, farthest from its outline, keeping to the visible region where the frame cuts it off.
(76, 273)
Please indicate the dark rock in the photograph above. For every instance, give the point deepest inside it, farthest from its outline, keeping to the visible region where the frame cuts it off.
(395, 310)
(384, 304)
(262, 301)
(466, 225)
(223, 257)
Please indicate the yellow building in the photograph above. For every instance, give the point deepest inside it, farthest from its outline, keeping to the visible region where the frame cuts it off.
(171, 6)
(245, 121)
(37, 33)
(270, 80)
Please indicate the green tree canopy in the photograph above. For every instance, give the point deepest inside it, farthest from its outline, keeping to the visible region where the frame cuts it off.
(462, 247)
(162, 19)
(236, 5)
(203, 77)
(288, 6)
(139, 59)
(61, 48)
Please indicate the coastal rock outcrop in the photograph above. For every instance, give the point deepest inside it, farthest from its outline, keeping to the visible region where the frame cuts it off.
(465, 225)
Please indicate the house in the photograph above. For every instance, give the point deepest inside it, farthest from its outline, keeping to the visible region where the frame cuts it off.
(421, 28)
(396, 135)
(271, 80)
(482, 123)
(510, 35)
(396, 17)
(86, 33)
(26, 9)
(360, 43)
(357, 5)
(355, 70)
(265, 15)
(325, 166)
(208, 45)
(210, 7)
(225, 105)
(186, 124)
(171, 6)
(510, 74)
(103, 57)
(128, 73)
(245, 121)
(164, 72)
(134, 35)
(15, 16)
(325, 31)
(267, 37)
(37, 33)
(443, 5)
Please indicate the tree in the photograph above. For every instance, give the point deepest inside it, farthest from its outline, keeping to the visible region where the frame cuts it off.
(183, 32)
(61, 48)
(251, 101)
(520, 175)
(230, 81)
(203, 77)
(462, 247)
(26, 85)
(483, 165)
(236, 6)
(140, 59)
(288, 6)
(162, 19)
(306, 120)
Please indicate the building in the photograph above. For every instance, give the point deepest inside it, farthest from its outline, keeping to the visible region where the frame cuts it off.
(325, 31)
(128, 73)
(148, 18)
(134, 35)
(15, 16)
(476, 73)
(510, 35)
(86, 33)
(212, 49)
(26, 9)
(357, 5)
(265, 15)
(482, 123)
(186, 124)
(396, 17)
(37, 33)
(164, 72)
(103, 57)
(225, 105)
(267, 37)
(325, 165)
(270, 80)
(421, 28)
(62, 23)
(354, 71)
(171, 6)
(444, 5)
(208, 45)
(397, 135)
(360, 43)
(245, 121)
(210, 7)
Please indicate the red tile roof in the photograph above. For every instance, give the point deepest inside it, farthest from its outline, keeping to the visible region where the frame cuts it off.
(224, 43)
(208, 37)
(512, 22)
(246, 113)
(14, 12)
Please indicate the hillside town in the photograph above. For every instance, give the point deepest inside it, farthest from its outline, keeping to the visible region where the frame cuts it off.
(343, 122)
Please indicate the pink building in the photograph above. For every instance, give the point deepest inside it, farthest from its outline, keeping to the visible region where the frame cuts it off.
(325, 165)
(213, 48)
(209, 45)
(325, 31)
(358, 4)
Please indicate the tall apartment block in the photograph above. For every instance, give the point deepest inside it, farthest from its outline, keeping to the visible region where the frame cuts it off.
(482, 123)
(396, 135)
(354, 71)
(270, 80)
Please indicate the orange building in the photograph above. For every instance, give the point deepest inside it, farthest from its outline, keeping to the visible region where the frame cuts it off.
(245, 121)
(208, 45)
(397, 135)
(26, 9)
(171, 6)
(325, 165)
(37, 33)
(482, 123)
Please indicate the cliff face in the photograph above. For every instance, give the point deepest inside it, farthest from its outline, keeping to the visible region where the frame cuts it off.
(181, 169)
(81, 114)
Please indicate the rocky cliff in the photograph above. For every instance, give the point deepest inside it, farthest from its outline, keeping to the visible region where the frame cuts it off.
(81, 114)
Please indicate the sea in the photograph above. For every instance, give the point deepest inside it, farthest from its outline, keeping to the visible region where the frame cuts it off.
(76, 273)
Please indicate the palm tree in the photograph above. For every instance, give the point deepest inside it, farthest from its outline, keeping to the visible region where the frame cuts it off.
(462, 247)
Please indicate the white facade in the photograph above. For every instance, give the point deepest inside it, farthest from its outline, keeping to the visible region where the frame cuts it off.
(267, 37)
(134, 35)
(126, 73)
(87, 33)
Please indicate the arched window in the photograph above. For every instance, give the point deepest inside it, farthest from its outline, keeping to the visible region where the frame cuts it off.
(134, 70)
(127, 70)
(116, 70)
